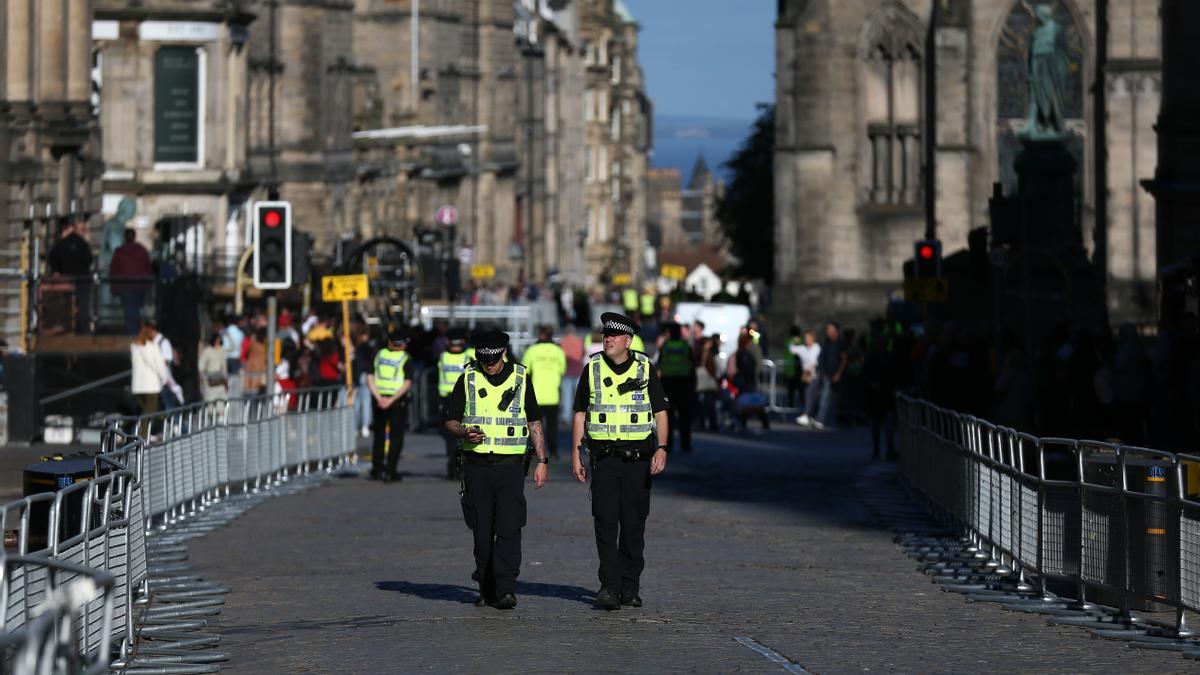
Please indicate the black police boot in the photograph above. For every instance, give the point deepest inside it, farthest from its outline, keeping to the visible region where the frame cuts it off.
(631, 599)
(605, 599)
(506, 601)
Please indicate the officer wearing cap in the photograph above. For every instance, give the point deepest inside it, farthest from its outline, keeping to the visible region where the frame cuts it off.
(450, 367)
(621, 419)
(493, 409)
(389, 382)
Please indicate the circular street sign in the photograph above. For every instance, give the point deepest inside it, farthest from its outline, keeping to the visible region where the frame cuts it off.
(447, 215)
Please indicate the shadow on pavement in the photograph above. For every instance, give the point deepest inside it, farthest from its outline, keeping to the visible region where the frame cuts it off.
(467, 594)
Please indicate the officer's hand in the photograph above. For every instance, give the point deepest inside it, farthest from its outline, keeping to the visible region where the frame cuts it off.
(474, 436)
(577, 469)
(658, 463)
(539, 475)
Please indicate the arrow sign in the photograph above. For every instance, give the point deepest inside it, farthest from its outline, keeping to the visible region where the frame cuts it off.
(345, 287)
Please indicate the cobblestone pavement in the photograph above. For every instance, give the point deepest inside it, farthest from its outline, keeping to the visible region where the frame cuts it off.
(758, 537)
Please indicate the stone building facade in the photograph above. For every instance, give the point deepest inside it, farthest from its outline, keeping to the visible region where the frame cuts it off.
(853, 94)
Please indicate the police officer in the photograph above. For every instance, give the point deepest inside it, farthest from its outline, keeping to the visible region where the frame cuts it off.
(390, 381)
(450, 367)
(493, 409)
(621, 419)
(677, 369)
(547, 364)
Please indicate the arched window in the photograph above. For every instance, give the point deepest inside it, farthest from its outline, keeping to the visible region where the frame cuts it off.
(891, 69)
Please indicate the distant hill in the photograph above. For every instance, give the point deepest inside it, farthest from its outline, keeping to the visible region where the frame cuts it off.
(680, 139)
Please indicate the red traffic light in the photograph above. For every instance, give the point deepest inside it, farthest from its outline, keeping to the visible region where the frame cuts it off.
(925, 251)
(272, 218)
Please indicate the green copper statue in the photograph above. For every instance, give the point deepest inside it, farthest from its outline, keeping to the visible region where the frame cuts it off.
(1047, 78)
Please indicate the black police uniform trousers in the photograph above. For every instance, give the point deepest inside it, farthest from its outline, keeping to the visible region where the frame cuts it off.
(451, 442)
(681, 391)
(493, 504)
(395, 417)
(620, 506)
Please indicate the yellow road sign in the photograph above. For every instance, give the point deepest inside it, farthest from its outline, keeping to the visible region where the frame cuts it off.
(926, 290)
(483, 271)
(676, 272)
(345, 287)
(622, 279)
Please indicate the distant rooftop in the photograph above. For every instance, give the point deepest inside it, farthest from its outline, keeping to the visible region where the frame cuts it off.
(623, 12)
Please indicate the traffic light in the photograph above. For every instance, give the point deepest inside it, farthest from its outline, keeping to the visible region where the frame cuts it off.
(927, 259)
(273, 245)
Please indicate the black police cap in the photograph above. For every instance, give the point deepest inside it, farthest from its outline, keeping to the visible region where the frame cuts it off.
(489, 345)
(398, 335)
(613, 323)
(457, 335)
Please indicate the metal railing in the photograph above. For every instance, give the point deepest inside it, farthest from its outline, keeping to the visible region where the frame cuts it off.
(1110, 527)
(156, 473)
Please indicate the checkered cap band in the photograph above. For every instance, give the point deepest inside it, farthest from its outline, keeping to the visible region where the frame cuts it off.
(488, 351)
(617, 325)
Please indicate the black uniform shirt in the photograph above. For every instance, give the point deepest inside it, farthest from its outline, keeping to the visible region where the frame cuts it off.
(658, 400)
(457, 402)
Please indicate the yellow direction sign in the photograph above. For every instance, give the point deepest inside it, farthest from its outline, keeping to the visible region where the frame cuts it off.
(483, 272)
(345, 287)
(676, 272)
(926, 290)
(622, 279)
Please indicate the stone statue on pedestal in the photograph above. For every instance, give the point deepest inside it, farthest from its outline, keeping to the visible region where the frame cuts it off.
(1048, 79)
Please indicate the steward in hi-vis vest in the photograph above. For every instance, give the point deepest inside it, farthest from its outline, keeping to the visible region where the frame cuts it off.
(493, 409)
(450, 367)
(390, 381)
(677, 368)
(547, 364)
(621, 420)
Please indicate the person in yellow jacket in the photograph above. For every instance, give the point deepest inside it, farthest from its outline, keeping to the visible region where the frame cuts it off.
(547, 364)
(621, 420)
(390, 381)
(494, 410)
(450, 366)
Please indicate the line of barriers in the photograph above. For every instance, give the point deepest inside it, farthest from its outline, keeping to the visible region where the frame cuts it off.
(1099, 529)
(79, 564)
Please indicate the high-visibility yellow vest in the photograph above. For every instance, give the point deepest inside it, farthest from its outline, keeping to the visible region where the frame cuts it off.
(647, 304)
(450, 368)
(506, 431)
(547, 363)
(637, 345)
(389, 370)
(614, 415)
(675, 359)
(629, 300)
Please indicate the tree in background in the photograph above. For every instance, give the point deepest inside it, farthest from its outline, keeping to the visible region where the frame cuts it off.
(747, 210)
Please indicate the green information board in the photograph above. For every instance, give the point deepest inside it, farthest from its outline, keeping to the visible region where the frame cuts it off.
(177, 105)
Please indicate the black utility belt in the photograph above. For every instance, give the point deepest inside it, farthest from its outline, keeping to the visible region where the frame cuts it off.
(636, 452)
(487, 458)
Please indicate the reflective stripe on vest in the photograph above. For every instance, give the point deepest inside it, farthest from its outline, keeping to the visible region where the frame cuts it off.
(389, 371)
(450, 368)
(616, 416)
(674, 359)
(505, 431)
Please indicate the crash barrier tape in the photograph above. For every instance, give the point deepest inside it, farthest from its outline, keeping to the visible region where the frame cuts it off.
(1075, 526)
(159, 480)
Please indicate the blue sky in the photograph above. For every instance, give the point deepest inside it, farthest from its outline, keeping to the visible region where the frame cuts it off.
(707, 63)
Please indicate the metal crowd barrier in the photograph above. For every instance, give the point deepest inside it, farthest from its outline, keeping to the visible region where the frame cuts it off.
(1112, 523)
(154, 472)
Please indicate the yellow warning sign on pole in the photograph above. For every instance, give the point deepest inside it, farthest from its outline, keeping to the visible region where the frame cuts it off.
(622, 279)
(483, 272)
(676, 272)
(344, 287)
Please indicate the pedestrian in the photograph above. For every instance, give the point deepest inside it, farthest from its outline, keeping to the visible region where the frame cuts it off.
(494, 410)
(809, 354)
(452, 363)
(619, 406)
(71, 256)
(255, 350)
(572, 346)
(707, 386)
(329, 365)
(172, 393)
(231, 341)
(831, 364)
(750, 400)
(880, 396)
(390, 382)
(792, 372)
(214, 371)
(677, 369)
(149, 370)
(130, 274)
(547, 364)
(364, 360)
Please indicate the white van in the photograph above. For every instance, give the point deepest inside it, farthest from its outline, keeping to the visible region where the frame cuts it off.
(720, 318)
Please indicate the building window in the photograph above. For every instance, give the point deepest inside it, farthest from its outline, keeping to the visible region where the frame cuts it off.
(892, 97)
(589, 164)
(179, 73)
(602, 163)
(590, 219)
(602, 105)
(615, 125)
(603, 223)
(589, 105)
(616, 70)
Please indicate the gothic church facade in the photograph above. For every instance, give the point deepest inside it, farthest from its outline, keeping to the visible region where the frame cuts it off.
(857, 97)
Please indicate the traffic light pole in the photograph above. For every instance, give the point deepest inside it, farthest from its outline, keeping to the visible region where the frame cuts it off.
(272, 315)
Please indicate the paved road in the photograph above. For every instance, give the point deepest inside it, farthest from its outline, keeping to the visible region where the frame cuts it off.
(758, 537)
